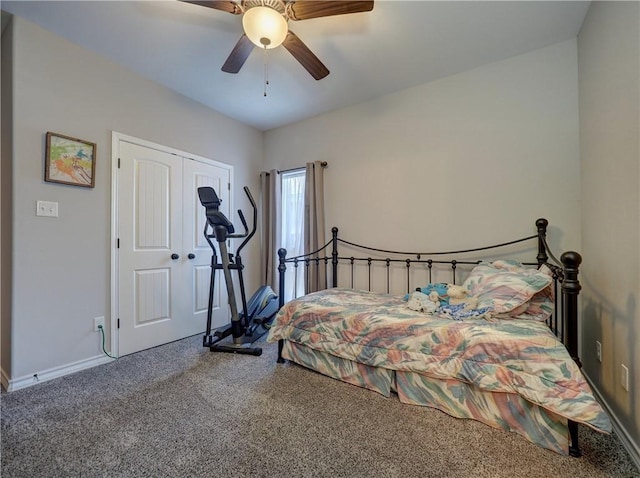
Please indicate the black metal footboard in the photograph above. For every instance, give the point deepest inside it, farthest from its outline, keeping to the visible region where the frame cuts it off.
(345, 264)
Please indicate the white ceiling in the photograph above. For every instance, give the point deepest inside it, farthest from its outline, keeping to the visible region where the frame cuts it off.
(397, 45)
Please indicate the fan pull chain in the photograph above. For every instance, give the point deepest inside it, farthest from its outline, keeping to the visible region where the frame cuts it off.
(266, 71)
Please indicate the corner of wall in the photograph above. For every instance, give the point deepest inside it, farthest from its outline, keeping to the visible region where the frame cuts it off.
(6, 192)
(609, 118)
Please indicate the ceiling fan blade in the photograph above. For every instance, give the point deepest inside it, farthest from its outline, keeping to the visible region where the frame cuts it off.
(224, 5)
(238, 55)
(305, 9)
(301, 52)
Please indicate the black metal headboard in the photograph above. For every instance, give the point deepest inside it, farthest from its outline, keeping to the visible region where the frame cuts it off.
(329, 263)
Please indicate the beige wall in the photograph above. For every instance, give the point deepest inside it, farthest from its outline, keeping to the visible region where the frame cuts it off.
(61, 273)
(609, 86)
(468, 160)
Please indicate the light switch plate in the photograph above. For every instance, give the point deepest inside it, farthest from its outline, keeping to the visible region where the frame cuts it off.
(47, 208)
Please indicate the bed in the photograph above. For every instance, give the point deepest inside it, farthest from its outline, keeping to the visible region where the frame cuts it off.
(509, 360)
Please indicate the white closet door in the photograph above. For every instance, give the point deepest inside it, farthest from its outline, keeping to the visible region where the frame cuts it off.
(163, 293)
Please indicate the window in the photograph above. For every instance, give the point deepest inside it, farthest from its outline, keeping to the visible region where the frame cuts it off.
(292, 233)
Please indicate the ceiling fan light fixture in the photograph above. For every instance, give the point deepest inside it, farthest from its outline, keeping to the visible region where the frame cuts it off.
(265, 27)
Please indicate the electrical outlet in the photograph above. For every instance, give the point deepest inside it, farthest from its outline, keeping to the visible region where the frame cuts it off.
(599, 351)
(624, 377)
(97, 322)
(47, 208)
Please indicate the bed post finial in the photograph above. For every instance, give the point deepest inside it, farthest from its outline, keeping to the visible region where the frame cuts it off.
(334, 256)
(542, 256)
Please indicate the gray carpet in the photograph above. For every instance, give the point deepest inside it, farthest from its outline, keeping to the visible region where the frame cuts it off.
(182, 411)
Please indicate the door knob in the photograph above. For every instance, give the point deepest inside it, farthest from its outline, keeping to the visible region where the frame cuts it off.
(191, 255)
(175, 256)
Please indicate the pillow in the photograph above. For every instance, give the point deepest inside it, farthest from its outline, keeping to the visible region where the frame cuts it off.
(508, 286)
(509, 265)
(540, 306)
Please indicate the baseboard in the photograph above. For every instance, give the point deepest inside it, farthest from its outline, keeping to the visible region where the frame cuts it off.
(12, 385)
(632, 448)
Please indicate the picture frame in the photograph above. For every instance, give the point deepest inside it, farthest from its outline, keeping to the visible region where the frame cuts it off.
(70, 161)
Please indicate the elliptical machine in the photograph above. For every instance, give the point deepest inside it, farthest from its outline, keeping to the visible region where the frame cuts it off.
(259, 311)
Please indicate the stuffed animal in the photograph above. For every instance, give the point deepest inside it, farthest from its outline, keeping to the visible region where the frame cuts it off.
(434, 297)
(423, 302)
(440, 288)
(458, 295)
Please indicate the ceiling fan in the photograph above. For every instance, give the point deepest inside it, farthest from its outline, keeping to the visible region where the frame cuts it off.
(265, 25)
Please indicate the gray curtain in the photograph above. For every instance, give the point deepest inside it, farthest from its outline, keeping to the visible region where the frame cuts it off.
(270, 225)
(314, 237)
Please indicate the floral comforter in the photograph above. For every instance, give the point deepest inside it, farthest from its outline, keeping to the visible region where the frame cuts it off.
(513, 356)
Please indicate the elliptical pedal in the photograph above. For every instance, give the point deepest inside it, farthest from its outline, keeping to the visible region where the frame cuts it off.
(235, 349)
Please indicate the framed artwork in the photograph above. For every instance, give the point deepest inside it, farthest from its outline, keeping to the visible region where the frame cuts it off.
(70, 161)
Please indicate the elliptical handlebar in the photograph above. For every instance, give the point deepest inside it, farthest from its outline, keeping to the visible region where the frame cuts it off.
(244, 223)
(248, 193)
(246, 229)
(210, 200)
